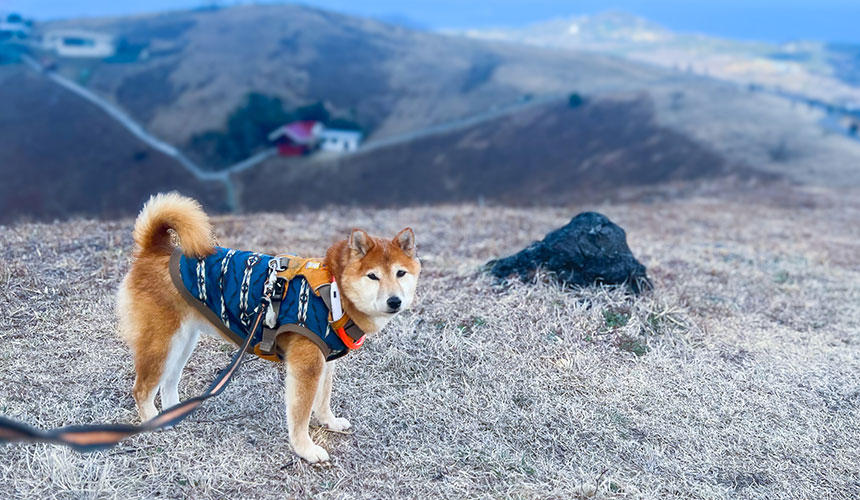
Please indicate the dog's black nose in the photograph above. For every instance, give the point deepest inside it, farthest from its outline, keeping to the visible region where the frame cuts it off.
(394, 303)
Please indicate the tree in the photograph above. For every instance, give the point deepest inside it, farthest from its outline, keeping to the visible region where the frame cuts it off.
(248, 128)
(344, 124)
(316, 112)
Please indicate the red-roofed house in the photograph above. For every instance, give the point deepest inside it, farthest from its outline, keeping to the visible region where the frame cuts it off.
(296, 138)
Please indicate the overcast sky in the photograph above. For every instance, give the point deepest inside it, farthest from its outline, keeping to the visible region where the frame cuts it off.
(774, 20)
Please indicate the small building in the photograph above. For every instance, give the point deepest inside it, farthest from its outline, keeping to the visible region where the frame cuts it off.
(341, 141)
(13, 27)
(79, 43)
(297, 138)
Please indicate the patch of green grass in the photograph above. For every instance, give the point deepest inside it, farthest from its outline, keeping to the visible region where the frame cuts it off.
(781, 277)
(654, 322)
(615, 319)
(526, 468)
(618, 418)
(633, 344)
(554, 337)
(468, 327)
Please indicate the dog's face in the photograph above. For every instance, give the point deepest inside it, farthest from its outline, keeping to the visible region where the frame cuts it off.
(380, 275)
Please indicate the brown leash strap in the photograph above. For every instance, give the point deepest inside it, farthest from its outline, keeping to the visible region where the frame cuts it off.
(99, 437)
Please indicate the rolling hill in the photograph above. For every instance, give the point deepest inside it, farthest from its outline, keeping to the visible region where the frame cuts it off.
(200, 65)
(644, 124)
(549, 154)
(814, 69)
(60, 157)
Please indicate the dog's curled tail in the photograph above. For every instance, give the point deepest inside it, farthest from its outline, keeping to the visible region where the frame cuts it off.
(173, 211)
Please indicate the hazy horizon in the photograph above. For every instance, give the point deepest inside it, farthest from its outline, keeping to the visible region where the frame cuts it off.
(769, 20)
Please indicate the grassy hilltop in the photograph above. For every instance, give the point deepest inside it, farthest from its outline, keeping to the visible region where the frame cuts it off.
(736, 378)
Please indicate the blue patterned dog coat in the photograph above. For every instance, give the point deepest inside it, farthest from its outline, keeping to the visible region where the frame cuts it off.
(230, 283)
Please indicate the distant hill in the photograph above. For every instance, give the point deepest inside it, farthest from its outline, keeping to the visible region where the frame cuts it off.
(551, 154)
(199, 66)
(814, 69)
(60, 156)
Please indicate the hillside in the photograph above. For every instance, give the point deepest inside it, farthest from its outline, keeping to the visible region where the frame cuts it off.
(817, 70)
(735, 379)
(549, 154)
(394, 80)
(200, 66)
(402, 85)
(60, 156)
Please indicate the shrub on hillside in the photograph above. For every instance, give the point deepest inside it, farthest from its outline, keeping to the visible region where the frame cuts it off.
(315, 112)
(344, 124)
(575, 100)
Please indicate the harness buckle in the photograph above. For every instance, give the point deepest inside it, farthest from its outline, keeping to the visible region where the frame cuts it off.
(279, 289)
(279, 263)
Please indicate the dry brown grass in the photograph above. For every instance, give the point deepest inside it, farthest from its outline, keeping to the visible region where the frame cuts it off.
(736, 378)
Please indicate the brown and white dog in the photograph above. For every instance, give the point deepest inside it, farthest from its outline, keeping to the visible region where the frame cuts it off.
(162, 328)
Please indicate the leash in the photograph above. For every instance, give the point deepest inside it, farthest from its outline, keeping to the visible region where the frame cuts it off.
(85, 438)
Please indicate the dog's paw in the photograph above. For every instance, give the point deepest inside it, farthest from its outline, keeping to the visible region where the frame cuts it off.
(338, 424)
(147, 413)
(314, 454)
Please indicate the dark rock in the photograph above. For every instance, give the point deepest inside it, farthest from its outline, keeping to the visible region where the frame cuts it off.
(589, 249)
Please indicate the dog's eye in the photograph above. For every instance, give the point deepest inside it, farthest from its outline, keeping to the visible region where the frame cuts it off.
(373, 277)
(401, 273)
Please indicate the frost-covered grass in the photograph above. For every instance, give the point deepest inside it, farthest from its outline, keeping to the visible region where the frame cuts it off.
(736, 378)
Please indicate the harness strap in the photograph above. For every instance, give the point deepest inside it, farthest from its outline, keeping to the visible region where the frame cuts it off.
(266, 348)
(313, 270)
(267, 344)
(345, 328)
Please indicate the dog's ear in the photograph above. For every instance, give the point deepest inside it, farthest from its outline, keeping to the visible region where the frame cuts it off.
(360, 242)
(406, 241)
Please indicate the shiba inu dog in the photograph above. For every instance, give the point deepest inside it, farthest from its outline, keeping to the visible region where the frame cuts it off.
(377, 279)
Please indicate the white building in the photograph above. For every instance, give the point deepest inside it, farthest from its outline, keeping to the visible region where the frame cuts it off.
(341, 141)
(12, 27)
(79, 43)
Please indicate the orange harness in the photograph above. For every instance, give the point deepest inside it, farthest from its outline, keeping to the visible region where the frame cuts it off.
(322, 282)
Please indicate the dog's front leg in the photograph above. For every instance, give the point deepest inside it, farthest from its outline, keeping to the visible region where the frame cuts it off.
(304, 367)
(322, 405)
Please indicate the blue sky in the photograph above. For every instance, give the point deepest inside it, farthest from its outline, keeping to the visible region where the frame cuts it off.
(774, 20)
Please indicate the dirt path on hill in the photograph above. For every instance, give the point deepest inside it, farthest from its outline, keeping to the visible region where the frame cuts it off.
(140, 132)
